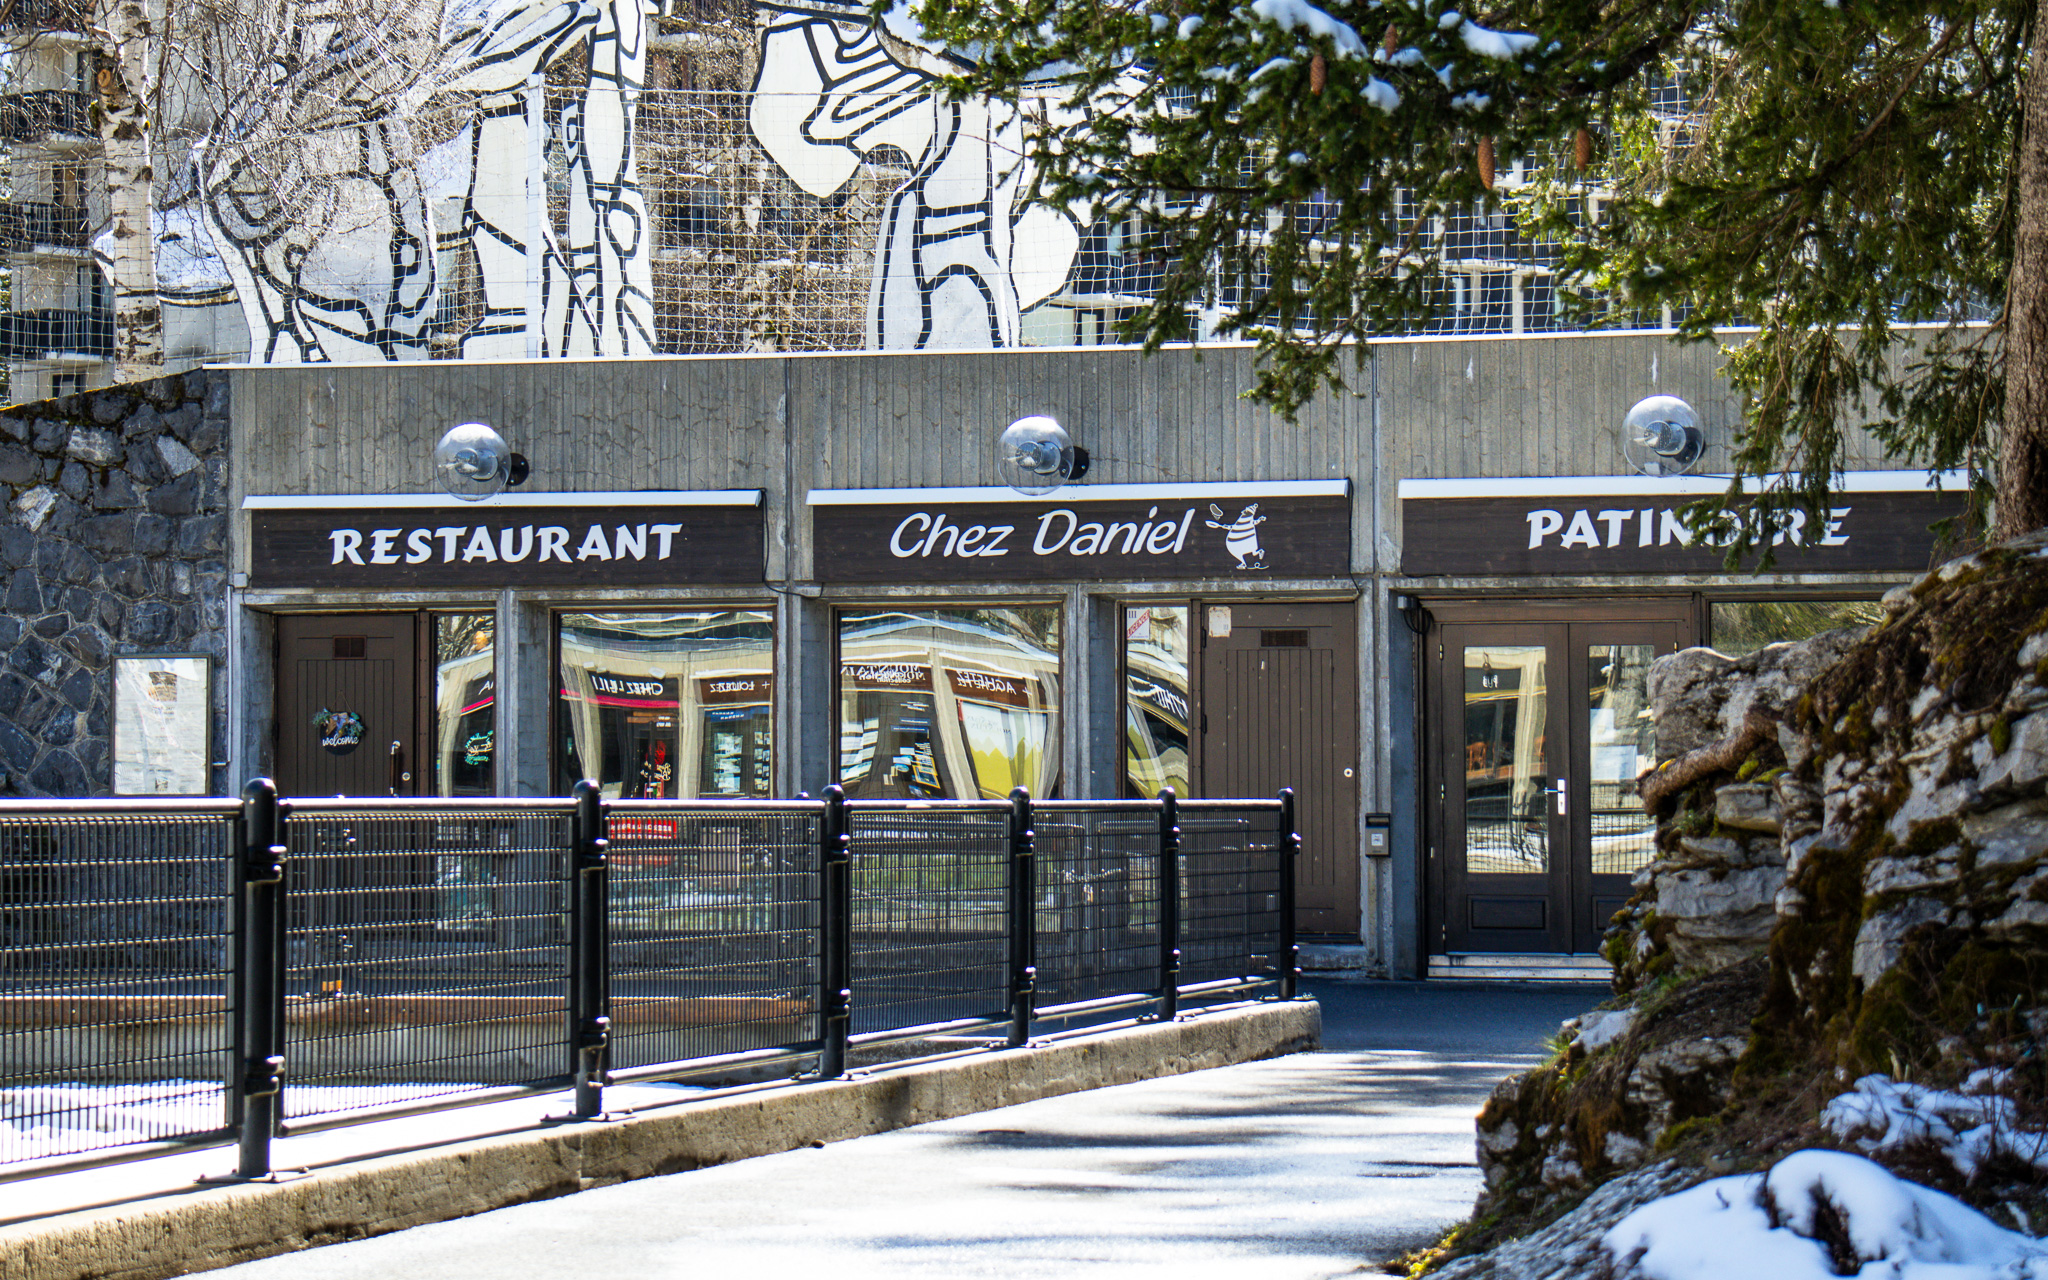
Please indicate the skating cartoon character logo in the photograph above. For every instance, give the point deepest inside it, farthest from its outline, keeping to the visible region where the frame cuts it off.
(1241, 536)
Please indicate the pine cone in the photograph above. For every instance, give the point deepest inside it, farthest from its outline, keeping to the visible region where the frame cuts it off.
(1318, 74)
(1486, 163)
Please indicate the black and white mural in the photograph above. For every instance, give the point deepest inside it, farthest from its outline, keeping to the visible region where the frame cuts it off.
(960, 256)
(436, 179)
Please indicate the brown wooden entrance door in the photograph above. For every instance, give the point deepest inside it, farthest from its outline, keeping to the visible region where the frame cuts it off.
(1540, 730)
(347, 704)
(1279, 708)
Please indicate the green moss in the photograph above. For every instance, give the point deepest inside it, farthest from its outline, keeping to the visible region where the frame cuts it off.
(1697, 1126)
(2000, 735)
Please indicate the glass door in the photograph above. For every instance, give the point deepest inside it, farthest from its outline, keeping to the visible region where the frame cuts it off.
(1541, 729)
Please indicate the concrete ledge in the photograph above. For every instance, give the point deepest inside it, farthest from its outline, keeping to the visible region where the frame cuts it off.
(216, 1226)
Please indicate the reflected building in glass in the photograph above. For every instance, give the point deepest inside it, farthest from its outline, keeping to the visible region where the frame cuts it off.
(949, 703)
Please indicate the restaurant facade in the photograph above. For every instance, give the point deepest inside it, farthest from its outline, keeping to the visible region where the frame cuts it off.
(1428, 605)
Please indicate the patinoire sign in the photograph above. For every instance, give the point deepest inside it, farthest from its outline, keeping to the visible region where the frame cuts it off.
(545, 539)
(1111, 532)
(1876, 522)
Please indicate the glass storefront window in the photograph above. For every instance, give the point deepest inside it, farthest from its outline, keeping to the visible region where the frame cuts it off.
(1622, 734)
(1156, 699)
(465, 704)
(953, 704)
(1507, 706)
(674, 705)
(1742, 627)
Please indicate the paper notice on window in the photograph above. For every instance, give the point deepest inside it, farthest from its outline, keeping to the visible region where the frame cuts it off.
(162, 725)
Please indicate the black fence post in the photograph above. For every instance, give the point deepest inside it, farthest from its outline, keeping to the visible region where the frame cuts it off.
(1023, 918)
(1290, 846)
(835, 924)
(589, 951)
(259, 979)
(1169, 905)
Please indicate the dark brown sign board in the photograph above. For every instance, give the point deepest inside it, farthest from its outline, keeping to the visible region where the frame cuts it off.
(501, 544)
(1866, 531)
(1246, 532)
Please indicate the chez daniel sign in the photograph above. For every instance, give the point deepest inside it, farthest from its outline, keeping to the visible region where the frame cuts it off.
(542, 539)
(1248, 531)
(1877, 521)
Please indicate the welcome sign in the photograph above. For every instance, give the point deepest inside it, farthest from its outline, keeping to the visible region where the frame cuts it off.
(1243, 531)
(549, 539)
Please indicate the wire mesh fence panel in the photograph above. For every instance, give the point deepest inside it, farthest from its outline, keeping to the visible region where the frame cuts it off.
(930, 892)
(115, 1014)
(714, 929)
(424, 955)
(1230, 882)
(1097, 900)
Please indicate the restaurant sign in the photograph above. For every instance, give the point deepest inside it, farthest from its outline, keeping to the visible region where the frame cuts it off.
(1247, 532)
(1876, 522)
(547, 539)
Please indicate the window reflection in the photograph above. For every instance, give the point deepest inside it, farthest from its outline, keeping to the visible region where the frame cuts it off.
(1156, 699)
(1506, 702)
(465, 709)
(1624, 745)
(949, 703)
(1742, 627)
(464, 752)
(667, 706)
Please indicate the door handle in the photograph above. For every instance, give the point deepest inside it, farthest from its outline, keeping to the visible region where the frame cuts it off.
(398, 771)
(1561, 790)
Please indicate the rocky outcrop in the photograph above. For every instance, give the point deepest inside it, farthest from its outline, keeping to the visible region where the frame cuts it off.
(1723, 732)
(1850, 893)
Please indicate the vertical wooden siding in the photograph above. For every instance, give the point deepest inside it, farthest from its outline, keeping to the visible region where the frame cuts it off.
(1445, 407)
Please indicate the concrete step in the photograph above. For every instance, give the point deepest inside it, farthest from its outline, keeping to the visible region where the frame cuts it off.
(1474, 966)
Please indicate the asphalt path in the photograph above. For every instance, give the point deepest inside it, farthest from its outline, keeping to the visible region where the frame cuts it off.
(1314, 1165)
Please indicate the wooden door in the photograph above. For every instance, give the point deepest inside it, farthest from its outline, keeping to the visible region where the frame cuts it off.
(1278, 701)
(348, 704)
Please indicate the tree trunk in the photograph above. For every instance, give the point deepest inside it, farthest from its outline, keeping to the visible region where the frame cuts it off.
(2023, 446)
(126, 251)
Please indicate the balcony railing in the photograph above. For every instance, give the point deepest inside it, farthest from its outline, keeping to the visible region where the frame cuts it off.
(42, 15)
(48, 332)
(32, 117)
(26, 225)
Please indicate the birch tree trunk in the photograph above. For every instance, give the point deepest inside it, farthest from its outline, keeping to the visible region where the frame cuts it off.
(126, 252)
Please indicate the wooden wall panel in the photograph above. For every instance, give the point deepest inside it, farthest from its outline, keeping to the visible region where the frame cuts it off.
(1440, 407)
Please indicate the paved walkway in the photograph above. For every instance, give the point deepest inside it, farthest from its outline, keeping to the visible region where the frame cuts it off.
(1309, 1166)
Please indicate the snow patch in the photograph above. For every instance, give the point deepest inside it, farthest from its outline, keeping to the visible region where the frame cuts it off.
(1189, 25)
(1970, 1127)
(1764, 1225)
(1297, 15)
(1503, 45)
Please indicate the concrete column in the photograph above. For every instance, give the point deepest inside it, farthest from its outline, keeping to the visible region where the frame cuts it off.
(806, 696)
(251, 673)
(525, 644)
(1090, 704)
(1406, 948)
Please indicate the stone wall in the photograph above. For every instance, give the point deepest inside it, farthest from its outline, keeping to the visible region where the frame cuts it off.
(113, 540)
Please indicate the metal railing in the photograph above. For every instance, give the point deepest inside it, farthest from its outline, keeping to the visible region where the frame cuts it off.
(185, 973)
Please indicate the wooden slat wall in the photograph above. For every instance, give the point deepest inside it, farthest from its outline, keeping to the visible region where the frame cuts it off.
(1470, 407)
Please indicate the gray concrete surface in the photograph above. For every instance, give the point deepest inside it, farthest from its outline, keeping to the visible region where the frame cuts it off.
(1314, 1165)
(203, 1228)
